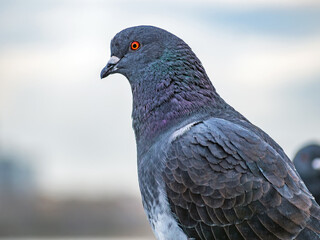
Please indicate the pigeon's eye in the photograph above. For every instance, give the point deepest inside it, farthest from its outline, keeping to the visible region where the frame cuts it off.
(135, 45)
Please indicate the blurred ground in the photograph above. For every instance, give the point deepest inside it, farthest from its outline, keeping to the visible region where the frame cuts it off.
(39, 216)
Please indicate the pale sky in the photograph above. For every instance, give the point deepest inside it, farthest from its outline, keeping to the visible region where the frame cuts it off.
(262, 57)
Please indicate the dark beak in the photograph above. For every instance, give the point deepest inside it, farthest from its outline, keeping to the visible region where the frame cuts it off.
(110, 67)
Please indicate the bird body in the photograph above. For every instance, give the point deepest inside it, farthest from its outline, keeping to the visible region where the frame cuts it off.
(205, 171)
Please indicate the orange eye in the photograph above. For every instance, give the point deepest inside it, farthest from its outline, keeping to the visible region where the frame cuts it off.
(135, 45)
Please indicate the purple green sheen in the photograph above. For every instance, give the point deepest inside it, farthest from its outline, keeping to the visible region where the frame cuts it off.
(168, 81)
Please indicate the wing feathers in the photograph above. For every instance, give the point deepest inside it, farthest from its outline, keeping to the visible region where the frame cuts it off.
(224, 182)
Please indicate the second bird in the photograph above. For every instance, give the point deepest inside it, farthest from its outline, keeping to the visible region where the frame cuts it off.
(310, 174)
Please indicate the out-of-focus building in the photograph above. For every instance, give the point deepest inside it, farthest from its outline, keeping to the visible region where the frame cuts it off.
(16, 178)
(18, 194)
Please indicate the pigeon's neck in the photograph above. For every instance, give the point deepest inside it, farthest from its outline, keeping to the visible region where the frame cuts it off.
(171, 93)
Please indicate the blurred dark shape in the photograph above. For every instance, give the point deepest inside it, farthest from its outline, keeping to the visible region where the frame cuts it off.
(309, 169)
(28, 212)
(16, 178)
(17, 192)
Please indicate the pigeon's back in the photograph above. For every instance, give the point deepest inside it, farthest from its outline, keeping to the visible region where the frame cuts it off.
(224, 181)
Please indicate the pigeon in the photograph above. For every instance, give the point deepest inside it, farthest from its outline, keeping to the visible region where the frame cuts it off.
(305, 162)
(205, 172)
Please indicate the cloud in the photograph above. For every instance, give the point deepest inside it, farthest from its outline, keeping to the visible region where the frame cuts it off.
(285, 22)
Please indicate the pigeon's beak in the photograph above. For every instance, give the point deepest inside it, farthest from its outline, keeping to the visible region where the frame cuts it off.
(110, 67)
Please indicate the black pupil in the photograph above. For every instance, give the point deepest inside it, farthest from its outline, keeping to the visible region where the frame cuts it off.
(134, 45)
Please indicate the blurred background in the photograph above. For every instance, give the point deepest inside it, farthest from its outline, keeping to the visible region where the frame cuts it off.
(67, 149)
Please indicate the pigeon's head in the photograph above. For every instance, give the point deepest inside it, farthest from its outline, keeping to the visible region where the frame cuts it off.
(135, 48)
(168, 81)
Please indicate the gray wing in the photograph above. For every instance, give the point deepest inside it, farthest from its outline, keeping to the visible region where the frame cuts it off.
(225, 182)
